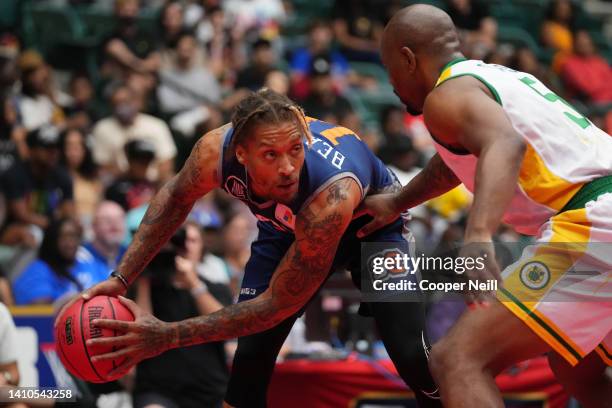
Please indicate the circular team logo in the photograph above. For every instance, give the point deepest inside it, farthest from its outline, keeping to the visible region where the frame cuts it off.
(535, 275)
(236, 187)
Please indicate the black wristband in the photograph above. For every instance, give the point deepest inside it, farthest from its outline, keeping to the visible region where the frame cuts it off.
(124, 282)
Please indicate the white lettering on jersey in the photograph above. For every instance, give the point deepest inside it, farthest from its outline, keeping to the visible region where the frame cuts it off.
(337, 158)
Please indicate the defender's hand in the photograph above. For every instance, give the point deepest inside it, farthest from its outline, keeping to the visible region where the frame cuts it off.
(143, 338)
(380, 206)
(480, 248)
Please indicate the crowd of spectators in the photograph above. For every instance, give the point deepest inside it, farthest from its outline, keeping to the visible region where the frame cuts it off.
(82, 153)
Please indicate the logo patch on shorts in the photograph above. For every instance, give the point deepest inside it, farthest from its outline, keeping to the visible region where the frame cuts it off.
(535, 275)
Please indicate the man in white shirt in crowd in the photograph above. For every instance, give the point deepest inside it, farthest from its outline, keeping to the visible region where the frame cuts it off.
(127, 123)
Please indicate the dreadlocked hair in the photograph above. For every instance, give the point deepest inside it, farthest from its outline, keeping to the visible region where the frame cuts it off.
(266, 107)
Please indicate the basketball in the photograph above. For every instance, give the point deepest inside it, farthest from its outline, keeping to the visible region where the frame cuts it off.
(74, 328)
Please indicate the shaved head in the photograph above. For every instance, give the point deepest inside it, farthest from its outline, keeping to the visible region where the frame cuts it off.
(417, 42)
(423, 29)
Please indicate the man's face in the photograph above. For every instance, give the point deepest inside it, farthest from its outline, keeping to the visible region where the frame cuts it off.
(109, 224)
(321, 38)
(263, 57)
(45, 157)
(273, 157)
(173, 17)
(185, 50)
(404, 82)
(583, 45)
(126, 9)
(124, 106)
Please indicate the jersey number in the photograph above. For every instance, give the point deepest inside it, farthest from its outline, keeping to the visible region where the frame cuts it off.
(572, 114)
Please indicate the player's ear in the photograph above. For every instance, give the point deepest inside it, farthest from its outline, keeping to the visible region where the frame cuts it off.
(409, 59)
(241, 154)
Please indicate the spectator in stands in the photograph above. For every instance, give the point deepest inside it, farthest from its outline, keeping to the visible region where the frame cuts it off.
(6, 295)
(263, 60)
(556, 32)
(258, 16)
(170, 24)
(401, 157)
(207, 265)
(38, 190)
(358, 26)
(129, 53)
(106, 248)
(585, 74)
(127, 123)
(215, 35)
(188, 89)
(35, 105)
(277, 81)
(9, 346)
(13, 146)
(87, 187)
(173, 291)
(320, 37)
(323, 101)
(473, 17)
(80, 112)
(9, 51)
(57, 273)
(171, 29)
(237, 235)
(253, 77)
(132, 189)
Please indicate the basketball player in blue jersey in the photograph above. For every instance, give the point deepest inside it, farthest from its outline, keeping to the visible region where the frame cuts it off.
(302, 178)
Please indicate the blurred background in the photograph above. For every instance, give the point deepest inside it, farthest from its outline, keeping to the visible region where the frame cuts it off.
(102, 101)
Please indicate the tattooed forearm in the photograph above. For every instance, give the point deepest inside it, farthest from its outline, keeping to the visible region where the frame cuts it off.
(435, 179)
(164, 216)
(169, 208)
(301, 272)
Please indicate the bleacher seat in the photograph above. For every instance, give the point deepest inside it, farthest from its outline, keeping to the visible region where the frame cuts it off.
(46, 26)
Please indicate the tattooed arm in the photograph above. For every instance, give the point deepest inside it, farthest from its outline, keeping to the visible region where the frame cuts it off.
(166, 212)
(300, 273)
(435, 179)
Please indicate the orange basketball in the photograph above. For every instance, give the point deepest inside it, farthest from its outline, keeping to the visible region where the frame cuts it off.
(73, 329)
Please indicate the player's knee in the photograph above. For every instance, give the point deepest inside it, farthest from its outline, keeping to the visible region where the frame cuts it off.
(448, 358)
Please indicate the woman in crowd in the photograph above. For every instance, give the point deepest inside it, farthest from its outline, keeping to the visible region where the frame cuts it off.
(57, 272)
(77, 158)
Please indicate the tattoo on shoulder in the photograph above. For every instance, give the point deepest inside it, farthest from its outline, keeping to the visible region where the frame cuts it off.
(337, 192)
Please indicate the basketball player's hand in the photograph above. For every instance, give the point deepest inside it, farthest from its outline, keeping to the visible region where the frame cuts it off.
(382, 208)
(483, 269)
(110, 287)
(143, 338)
